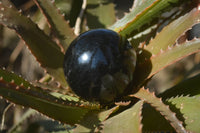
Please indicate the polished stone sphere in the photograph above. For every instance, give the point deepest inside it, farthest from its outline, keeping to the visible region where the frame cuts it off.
(99, 64)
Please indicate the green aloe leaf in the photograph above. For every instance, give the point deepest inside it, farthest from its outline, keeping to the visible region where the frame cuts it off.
(142, 14)
(46, 51)
(92, 121)
(64, 7)
(144, 37)
(163, 40)
(20, 91)
(183, 88)
(189, 107)
(100, 14)
(154, 121)
(158, 104)
(138, 7)
(174, 54)
(59, 26)
(146, 68)
(88, 123)
(128, 121)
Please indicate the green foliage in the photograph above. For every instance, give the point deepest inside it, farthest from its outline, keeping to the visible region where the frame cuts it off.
(98, 10)
(42, 47)
(175, 110)
(188, 107)
(59, 26)
(125, 122)
(181, 25)
(16, 89)
(144, 13)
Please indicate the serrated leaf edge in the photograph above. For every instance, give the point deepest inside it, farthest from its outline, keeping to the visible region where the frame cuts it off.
(149, 97)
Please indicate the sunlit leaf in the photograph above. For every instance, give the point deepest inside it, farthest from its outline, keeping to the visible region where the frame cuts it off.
(174, 54)
(100, 14)
(128, 121)
(141, 15)
(163, 109)
(57, 22)
(92, 121)
(163, 40)
(189, 107)
(148, 67)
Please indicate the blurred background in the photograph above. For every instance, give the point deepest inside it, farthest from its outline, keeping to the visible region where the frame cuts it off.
(14, 56)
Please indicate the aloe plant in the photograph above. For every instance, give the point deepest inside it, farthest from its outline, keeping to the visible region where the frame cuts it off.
(154, 37)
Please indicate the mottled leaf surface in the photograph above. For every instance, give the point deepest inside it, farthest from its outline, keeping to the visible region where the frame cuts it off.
(100, 14)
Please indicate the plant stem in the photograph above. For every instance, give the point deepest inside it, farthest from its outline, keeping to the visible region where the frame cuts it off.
(79, 18)
(3, 116)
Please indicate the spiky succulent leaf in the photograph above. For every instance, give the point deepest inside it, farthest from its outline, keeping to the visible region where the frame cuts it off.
(142, 38)
(57, 23)
(154, 121)
(59, 107)
(46, 51)
(70, 9)
(92, 121)
(157, 103)
(64, 6)
(88, 124)
(149, 65)
(138, 7)
(128, 121)
(163, 40)
(189, 107)
(142, 14)
(100, 14)
(149, 32)
(182, 89)
(174, 54)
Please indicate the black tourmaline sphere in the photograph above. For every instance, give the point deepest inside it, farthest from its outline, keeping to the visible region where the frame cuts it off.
(95, 65)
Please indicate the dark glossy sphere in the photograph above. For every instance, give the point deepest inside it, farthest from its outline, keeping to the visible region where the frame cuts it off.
(95, 65)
